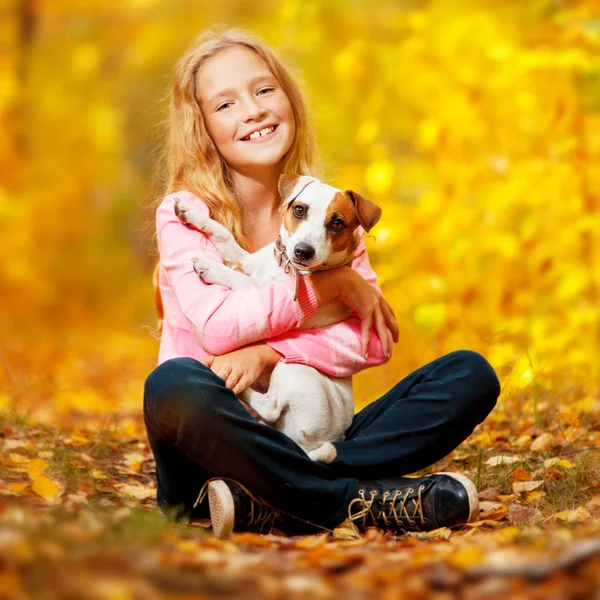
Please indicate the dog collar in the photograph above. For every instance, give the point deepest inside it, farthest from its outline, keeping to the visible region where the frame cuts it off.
(289, 268)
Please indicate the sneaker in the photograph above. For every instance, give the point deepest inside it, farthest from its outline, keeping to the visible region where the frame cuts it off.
(234, 508)
(414, 504)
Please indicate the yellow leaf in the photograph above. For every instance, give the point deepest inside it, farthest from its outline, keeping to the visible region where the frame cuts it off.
(312, 541)
(46, 488)
(79, 440)
(570, 516)
(535, 495)
(558, 462)
(17, 487)
(36, 467)
(508, 534)
(523, 441)
(467, 557)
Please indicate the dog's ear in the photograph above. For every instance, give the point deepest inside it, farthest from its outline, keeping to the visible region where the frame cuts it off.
(367, 212)
(290, 187)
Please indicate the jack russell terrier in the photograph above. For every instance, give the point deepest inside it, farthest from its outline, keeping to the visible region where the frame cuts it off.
(318, 232)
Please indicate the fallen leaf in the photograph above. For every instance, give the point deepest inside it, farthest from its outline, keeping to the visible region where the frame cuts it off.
(442, 533)
(578, 514)
(523, 442)
(134, 461)
(141, 492)
(493, 511)
(76, 440)
(526, 486)
(345, 532)
(76, 499)
(312, 541)
(17, 487)
(13, 445)
(36, 467)
(489, 522)
(489, 493)
(523, 515)
(558, 462)
(520, 475)
(535, 495)
(541, 444)
(494, 461)
(467, 557)
(17, 459)
(46, 487)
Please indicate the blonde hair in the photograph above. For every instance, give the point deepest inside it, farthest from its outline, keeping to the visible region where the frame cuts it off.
(192, 161)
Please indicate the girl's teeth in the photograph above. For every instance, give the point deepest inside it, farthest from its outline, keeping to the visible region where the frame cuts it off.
(260, 133)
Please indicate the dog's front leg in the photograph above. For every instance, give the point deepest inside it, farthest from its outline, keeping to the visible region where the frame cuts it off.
(213, 272)
(220, 236)
(264, 404)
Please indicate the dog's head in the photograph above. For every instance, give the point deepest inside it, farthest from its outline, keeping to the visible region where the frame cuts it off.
(320, 221)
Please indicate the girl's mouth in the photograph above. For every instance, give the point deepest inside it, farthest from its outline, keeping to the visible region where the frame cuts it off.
(262, 135)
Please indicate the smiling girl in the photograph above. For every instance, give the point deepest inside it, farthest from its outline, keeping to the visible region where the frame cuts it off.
(237, 122)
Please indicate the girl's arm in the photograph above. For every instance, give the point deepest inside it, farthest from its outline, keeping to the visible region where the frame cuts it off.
(336, 350)
(220, 319)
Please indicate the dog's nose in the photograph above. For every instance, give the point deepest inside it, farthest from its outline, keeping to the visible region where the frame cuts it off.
(303, 251)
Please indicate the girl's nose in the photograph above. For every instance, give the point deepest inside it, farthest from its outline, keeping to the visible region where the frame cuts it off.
(253, 110)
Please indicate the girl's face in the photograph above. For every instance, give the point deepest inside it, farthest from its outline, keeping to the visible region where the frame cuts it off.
(247, 113)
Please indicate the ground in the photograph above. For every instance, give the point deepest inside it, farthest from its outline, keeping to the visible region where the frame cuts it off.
(78, 520)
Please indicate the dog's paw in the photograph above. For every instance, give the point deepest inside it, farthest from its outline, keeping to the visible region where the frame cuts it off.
(190, 215)
(207, 270)
(182, 210)
(267, 409)
(325, 453)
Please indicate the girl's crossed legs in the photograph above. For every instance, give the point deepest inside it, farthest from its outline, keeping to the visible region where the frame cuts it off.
(199, 430)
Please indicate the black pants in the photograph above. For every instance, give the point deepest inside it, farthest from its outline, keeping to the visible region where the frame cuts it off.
(198, 429)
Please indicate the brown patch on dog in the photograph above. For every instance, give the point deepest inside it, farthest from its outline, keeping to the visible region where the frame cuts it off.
(290, 222)
(367, 212)
(346, 240)
(286, 185)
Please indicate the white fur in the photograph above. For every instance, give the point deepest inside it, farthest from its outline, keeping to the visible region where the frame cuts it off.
(308, 406)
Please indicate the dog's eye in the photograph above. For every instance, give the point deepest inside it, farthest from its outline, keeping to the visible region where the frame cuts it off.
(337, 225)
(299, 210)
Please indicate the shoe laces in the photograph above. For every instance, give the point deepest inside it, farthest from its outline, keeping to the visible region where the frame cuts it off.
(393, 508)
(260, 513)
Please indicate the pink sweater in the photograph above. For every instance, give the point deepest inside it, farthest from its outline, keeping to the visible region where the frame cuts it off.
(202, 319)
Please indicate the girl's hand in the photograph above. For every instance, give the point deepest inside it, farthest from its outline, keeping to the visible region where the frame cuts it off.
(241, 368)
(348, 286)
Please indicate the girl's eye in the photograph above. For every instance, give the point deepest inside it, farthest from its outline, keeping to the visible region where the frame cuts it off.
(224, 105)
(299, 211)
(265, 90)
(337, 225)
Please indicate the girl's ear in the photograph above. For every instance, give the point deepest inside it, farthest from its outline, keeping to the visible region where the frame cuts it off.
(367, 212)
(290, 187)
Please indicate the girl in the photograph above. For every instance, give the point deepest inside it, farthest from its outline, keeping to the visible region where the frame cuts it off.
(216, 342)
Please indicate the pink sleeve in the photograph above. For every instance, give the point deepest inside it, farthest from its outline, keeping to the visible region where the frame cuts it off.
(335, 350)
(220, 319)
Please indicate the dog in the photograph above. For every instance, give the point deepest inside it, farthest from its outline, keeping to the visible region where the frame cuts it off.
(318, 232)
